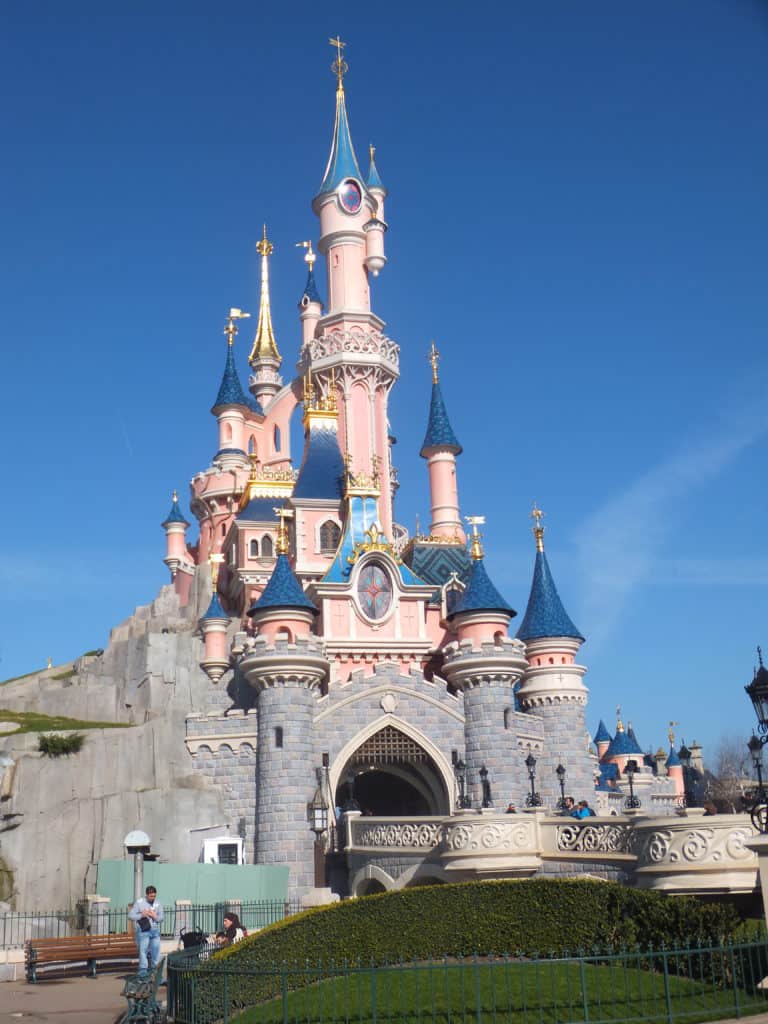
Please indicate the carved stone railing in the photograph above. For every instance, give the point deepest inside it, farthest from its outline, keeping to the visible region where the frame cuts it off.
(395, 834)
(696, 853)
(591, 839)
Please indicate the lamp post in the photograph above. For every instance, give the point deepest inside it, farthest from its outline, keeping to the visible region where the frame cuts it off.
(560, 773)
(632, 802)
(460, 771)
(317, 812)
(533, 799)
(487, 802)
(758, 694)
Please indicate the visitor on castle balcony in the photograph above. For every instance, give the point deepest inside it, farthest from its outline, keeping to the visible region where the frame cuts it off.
(569, 807)
(147, 915)
(583, 810)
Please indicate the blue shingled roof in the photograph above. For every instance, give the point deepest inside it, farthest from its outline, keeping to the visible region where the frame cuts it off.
(673, 760)
(480, 595)
(310, 288)
(622, 743)
(282, 591)
(215, 610)
(231, 390)
(545, 615)
(439, 430)
(363, 513)
(258, 510)
(342, 163)
(602, 735)
(322, 469)
(175, 515)
(609, 771)
(374, 179)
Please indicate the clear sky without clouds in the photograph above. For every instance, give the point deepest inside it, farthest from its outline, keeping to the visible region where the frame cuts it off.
(577, 216)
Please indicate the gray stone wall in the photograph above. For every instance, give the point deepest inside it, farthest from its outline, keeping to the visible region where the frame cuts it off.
(233, 770)
(567, 743)
(286, 781)
(491, 731)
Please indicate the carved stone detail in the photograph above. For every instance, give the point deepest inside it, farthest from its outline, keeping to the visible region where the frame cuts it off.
(575, 838)
(408, 834)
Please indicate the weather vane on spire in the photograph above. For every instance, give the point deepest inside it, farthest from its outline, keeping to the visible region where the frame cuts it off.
(339, 66)
(477, 548)
(310, 255)
(231, 329)
(434, 357)
(538, 530)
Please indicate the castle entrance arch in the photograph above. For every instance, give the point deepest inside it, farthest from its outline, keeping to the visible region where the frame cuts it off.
(391, 774)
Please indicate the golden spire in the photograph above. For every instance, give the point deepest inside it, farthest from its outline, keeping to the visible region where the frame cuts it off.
(264, 344)
(476, 551)
(619, 723)
(231, 329)
(538, 530)
(434, 357)
(283, 543)
(339, 66)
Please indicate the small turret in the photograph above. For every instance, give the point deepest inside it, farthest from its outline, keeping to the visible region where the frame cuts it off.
(232, 404)
(374, 229)
(213, 626)
(623, 747)
(175, 526)
(440, 449)
(283, 607)
(310, 304)
(480, 613)
(601, 739)
(265, 359)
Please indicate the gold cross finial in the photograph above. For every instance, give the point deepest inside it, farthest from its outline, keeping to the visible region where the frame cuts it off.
(264, 247)
(310, 256)
(283, 545)
(476, 551)
(434, 357)
(538, 530)
(339, 66)
(231, 329)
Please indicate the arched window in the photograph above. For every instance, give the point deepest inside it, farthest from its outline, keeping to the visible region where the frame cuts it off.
(223, 529)
(254, 549)
(330, 535)
(267, 547)
(251, 445)
(278, 735)
(277, 438)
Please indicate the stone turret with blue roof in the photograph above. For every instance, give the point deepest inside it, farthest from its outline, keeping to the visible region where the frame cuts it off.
(213, 627)
(176, 526)
(552, 687)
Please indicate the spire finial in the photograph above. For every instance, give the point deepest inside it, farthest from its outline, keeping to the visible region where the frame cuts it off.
(476, 551)
(619, 723)
(231, 329)
(760, 655)
(538, 530)
(310, 256)
(434, 358)
(671, 733)
(372, 151)
(283, 546)
(264, 344)
(339, 66)
(174, 496)
(216, 559)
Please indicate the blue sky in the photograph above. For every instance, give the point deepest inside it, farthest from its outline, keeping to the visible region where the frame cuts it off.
(577, 216)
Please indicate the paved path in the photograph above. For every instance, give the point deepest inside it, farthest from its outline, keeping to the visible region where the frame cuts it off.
(67, 1000)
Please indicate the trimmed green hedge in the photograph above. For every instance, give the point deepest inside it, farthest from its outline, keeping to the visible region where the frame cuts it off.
(536, 915)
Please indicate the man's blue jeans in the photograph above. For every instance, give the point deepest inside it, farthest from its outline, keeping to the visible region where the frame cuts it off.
(148, 941)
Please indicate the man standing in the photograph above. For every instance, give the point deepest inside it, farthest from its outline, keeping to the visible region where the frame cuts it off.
(147, 914)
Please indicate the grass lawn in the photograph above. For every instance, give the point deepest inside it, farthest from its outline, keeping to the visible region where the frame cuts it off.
(31, 721)
(515, 992)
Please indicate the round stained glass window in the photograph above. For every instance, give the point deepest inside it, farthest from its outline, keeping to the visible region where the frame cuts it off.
(350, 195)
(374, 591)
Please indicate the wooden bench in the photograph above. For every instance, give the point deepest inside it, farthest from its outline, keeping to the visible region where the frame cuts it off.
(141, 992)
(89, 950)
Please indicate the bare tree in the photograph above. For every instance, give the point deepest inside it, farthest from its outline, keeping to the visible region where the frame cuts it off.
(729, 782)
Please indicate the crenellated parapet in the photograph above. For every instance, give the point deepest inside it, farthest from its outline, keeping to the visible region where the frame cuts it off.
(266, 665)
(469, 664)
(552, 676)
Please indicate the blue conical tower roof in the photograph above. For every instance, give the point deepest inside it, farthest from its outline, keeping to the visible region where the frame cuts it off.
(673, 760)
(231, 390)
(439, 430)
(342, 163)
(480, 595)
(175, 515)
(545, 615)
(602, 735)
(622, 743)
(283, 590)
(310, 288)
(374, 179)
(215, 609)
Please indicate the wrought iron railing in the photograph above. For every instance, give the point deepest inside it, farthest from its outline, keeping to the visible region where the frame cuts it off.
(17, 927)
(676, 986)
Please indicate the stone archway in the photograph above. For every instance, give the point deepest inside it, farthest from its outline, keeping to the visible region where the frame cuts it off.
(391, 774)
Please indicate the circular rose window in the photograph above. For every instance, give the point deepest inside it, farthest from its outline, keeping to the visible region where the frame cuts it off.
(374, 590)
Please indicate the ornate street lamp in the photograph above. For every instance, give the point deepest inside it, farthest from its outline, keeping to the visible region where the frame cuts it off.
(533, 799)
(560, 773)
(758, 694)
(487, 802)
(460, 771)
(632, 802)
(317, 812)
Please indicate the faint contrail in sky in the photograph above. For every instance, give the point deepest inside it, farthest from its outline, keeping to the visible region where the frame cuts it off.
(127, 439)
(617, 545)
